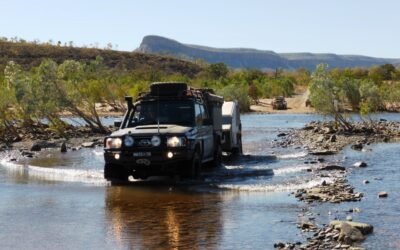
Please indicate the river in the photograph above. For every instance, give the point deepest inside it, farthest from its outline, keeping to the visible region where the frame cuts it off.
(60, 201)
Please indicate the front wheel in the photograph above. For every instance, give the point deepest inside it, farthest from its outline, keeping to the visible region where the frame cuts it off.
(195, 166)
(115, 174)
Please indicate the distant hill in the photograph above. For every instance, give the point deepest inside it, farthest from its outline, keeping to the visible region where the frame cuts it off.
(253, 58)
(30, 55)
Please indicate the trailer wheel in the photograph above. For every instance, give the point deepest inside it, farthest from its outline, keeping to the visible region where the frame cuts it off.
(217, 157)
(239, 149)
(240, 145)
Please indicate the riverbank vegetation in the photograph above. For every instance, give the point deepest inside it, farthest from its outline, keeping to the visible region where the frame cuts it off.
(41, 83)
(337, 92)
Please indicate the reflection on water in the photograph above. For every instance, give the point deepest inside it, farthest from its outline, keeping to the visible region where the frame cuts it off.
(154, 218)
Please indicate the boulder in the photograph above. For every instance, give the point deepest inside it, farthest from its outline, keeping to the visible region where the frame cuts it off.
(40, 144)
(349, 234)
(279, 245)
(332, 138)
(27, 154)
(63, 147)
(363, 227)
(357, 146)
(282, 134)
(36, 147)
(360, 164)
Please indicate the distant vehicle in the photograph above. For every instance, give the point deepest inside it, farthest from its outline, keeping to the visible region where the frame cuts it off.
(279, 103)
(171, 130)
(231, 128)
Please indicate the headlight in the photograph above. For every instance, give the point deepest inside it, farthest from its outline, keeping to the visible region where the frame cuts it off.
(113, 143)
(176, 141)
(155, 141)
(128, 141)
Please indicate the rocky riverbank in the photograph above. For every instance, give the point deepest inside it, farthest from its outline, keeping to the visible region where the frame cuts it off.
(29, 141)
(321, 139)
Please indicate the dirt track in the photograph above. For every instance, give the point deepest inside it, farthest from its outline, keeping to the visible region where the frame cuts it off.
(296, 104)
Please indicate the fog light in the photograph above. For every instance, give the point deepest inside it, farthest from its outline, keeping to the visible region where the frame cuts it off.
(170, 155)
(117, 156)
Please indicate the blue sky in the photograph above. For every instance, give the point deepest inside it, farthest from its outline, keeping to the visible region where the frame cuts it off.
(338, 26)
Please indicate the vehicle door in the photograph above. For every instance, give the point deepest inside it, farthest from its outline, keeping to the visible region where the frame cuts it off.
(205, 132)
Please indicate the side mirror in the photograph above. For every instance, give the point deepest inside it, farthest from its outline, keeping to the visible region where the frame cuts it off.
(207, 122)
(117, 123)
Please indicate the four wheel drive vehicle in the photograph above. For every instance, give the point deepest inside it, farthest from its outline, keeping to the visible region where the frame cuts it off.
(279, 103)
(171, 130)
(231, 128)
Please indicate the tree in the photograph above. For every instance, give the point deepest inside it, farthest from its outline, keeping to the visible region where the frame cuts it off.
(79, 88)
(370, 97)
(325, 96)
(351, 93)
(236, 92)
(254, 92)
(218, 70)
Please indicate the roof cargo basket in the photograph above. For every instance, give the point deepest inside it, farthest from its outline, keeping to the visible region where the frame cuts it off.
(168, 88)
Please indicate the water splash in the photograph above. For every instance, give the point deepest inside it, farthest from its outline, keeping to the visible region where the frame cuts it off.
(291, 169)
(56, 174)
(293, 155)
(282, 187)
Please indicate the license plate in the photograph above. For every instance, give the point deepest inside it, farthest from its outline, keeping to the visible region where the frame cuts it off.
(142, 154)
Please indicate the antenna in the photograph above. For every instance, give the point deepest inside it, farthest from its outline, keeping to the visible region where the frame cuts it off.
(158, 110)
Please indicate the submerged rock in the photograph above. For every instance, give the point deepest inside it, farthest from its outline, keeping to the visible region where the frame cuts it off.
(382, 194)
(357, 146)
(282, 134)
(360, 164)
(323, 152)
(332, 167)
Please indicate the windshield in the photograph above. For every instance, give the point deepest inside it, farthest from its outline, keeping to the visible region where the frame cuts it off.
(178, 112)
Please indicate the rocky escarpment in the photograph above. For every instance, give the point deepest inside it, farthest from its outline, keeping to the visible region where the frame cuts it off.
(252, 58)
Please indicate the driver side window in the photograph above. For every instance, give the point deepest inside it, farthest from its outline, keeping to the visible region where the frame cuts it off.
(198, 114)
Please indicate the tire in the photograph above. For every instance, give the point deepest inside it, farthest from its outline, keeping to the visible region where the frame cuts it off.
(195, 166)
(240, 145)
(217, 157)
(239, 149)
(115, 174)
